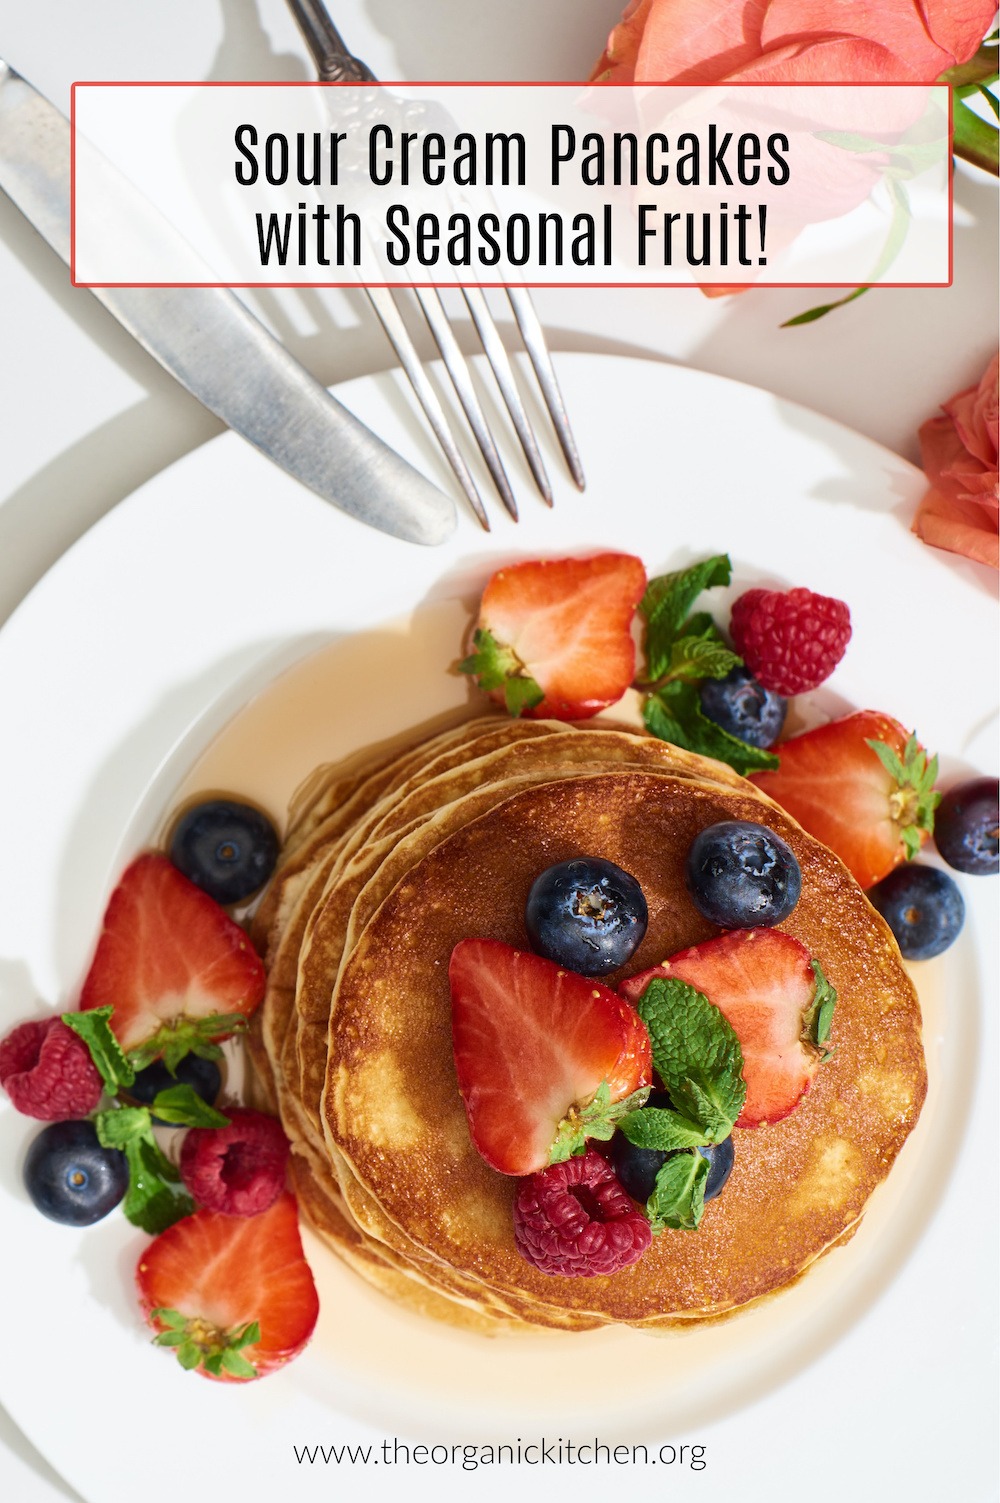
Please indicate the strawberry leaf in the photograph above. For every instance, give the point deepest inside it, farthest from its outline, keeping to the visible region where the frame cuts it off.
(94, 1027)
(818, 1019)
(490, 664)
(521, 694)
(198, 1343)
(678, 1199)
(598, 1119)
(914, 798)
(696, 1055)
(182, 1036)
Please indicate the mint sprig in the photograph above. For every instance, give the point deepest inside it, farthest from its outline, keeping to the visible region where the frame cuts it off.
(180, 1106)
(678, 1198)
(682, 650)
(696, 1055)
(495, 666)
(94, 1027)
(153, 1200)
(598, 1119)
(661, 1128)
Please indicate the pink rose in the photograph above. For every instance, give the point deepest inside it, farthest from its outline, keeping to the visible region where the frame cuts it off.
(792, 41)
(959, 454)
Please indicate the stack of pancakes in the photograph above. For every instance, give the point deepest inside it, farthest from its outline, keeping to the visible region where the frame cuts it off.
(388, 862)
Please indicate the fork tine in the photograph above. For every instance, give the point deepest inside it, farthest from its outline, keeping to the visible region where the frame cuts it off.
(444, 337)
(538, 352)
(392, 322)
(489, 334)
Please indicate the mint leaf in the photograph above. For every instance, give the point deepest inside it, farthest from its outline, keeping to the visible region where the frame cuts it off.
(667, 602)
(673, 713)
(678, 1200)
(152, 1200)
(662, 1129)
(696, 1055)
(598, 1119)
(694, 658)
(819, 1019)
(181, 1106)
(94, 1027)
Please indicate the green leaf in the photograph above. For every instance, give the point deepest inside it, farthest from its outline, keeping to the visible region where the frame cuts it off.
(94, 1027)
(490, 663)
(674, 714)
(181, 1106)
(667, 602)
(696, 1055)
(170, 1338)
(188, 1355)
(812, 314)
(694, 658)
(818, 1020)
(678, 1200)
(246, 1337)
(213, 1363)
(151, 1201)
(597, 1119)
(521, 694)
(183, 1036)
(172, 1318)
(237, 1366)
(662, 1129)
(914, 798)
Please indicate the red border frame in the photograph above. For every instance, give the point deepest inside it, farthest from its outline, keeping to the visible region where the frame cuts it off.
(178, 83)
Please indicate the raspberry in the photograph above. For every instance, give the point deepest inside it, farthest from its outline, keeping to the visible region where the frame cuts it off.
(575, 1219)
(239, 1169)
(47, 1072)
(791, 640)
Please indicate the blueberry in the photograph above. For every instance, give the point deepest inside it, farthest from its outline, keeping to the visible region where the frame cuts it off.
(636, 1168)
(922, 906)
(965, 827)
(586, 914)
(721, 1157)
(202, 1075)
(742, 875)
(225, 848)
(743, 707)
(70, 1177)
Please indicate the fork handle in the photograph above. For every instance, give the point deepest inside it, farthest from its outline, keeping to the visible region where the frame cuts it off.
(334, 63)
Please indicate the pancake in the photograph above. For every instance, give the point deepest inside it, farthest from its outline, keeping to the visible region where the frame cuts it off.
(390, 868)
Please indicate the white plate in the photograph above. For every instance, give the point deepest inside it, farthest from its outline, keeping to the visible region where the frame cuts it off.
(190, 598)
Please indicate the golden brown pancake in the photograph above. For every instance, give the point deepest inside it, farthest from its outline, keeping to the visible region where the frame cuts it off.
(443, 844)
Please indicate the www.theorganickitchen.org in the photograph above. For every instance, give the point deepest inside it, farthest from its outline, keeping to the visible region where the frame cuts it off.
(469, 1456)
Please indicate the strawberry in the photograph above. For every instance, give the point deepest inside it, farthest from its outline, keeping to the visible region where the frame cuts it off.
(176, 969)
(778, 1003)
(862, 786)
(554, 637)
(233, 1295)
(545, 1058)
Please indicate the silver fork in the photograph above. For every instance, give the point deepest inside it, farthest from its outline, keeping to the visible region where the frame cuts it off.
(336, 64)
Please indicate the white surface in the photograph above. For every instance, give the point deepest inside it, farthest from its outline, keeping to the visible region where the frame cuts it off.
(87, 416)
(217, 571)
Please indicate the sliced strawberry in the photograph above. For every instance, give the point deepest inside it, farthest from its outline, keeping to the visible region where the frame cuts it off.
(204, 1283)
(535, 1047)
(872, 804)
(777, 1001)
(170, 962)
(554, 637)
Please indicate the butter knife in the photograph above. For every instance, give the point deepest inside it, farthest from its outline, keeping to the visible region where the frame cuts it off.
(214, 346)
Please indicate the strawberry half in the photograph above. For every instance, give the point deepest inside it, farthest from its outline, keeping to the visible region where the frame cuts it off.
(176, 969)
(862, 786)
(778, 1003)
(233, 1295)
(554, 637)
(542, 1055)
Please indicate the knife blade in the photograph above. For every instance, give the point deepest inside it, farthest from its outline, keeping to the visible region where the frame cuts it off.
(212, 344)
